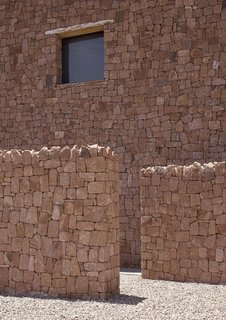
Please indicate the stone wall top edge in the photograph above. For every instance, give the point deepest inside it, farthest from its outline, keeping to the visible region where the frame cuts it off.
(190, 172)
(62, 153)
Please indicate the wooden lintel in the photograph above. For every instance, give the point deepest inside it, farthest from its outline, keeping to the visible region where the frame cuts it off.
(79, 29)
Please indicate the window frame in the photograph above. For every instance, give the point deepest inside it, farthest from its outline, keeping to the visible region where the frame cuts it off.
(86, 43)
(72, 31)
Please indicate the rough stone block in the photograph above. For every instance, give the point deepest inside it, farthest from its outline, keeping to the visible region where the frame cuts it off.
(4, 277)
(96, 187)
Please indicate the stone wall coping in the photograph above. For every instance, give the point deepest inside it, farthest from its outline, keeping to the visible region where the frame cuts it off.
(56, 152)
(190, 172)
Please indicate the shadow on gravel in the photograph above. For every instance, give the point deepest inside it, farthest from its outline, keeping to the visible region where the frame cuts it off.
(125, 299)
(117, 299)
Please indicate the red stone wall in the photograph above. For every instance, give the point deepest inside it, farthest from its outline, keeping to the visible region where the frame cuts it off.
(162, 101)
(183, 224)
(59, 223)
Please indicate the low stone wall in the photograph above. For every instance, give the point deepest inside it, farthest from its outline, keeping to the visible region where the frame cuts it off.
(59, 227)
(184, 222)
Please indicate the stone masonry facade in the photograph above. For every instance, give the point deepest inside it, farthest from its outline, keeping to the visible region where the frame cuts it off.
(162, 100)
(183, 224)
(59, 222)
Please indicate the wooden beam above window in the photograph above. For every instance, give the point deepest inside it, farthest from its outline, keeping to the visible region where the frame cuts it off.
(79, 29)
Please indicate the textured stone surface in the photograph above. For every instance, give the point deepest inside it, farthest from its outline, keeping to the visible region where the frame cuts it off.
(52, 240)
(183, 223)
(162, 101)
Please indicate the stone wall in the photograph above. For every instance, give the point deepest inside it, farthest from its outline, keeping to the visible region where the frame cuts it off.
(184, 222)
(162, 101)
(59, 227)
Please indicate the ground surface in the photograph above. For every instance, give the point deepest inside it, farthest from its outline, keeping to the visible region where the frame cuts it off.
(139, 300)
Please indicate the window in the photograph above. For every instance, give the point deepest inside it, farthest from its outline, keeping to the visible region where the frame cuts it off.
(83, 58)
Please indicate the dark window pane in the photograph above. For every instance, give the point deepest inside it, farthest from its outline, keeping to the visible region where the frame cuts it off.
(83, 58)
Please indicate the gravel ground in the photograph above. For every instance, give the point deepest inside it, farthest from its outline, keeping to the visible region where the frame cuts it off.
(139, 299)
